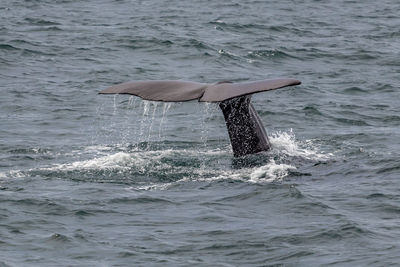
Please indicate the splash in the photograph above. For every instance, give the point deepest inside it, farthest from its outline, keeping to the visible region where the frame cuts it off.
(11, 174)
(270, 172)
(162, 168)
(285, 144)
(199, 165)
(120, 160)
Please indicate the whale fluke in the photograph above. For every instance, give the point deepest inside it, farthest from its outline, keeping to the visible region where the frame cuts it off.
(246, 132)
(178, 91)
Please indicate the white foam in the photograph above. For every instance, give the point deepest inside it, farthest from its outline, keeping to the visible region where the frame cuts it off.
(140, 160)
(118, 160)
(270, 172)
(163, 186)
(11, 174)
(164, 161)
(285, 143)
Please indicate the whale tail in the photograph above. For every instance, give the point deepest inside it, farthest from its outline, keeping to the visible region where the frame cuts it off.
(246, 131)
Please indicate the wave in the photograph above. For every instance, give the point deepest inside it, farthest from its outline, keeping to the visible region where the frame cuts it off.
(41, 22)
(8, 47)
(272, 53)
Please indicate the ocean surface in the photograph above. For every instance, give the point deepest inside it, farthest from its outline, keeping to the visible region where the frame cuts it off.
(98, 180)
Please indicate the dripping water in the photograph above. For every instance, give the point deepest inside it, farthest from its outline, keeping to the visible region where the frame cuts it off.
(128, 124)
(166, 107)
(143, 122)
(152, 120)
(207, 110)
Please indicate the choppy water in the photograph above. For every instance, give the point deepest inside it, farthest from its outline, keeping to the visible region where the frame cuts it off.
(92, 180)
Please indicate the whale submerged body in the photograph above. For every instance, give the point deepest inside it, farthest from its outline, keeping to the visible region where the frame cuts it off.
(246, 131)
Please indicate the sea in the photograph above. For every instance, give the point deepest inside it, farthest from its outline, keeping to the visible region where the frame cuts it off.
(113, 180)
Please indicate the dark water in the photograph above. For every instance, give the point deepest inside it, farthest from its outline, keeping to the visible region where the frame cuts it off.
(91, 180)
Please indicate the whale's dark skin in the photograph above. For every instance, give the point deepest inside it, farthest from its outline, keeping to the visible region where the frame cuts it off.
(245, 129)
(246, 132)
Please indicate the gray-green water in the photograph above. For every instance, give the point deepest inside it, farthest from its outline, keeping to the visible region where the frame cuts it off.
(92, 180)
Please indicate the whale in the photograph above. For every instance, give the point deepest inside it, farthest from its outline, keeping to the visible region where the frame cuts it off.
(246, 132)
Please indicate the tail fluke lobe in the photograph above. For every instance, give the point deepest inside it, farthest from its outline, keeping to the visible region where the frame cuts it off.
(223, 91)
(167, 91)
